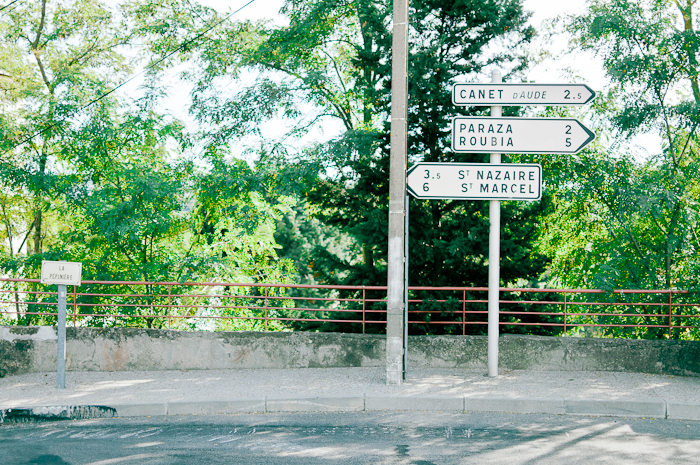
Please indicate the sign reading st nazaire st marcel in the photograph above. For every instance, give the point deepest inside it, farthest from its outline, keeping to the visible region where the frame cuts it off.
(475, 181)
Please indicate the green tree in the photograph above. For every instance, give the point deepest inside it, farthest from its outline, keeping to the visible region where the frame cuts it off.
(111, 181)
(636, 216)
(621, 218)
(57, 56)
(334, 59)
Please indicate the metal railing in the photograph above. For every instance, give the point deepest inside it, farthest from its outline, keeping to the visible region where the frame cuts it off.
(358, 309)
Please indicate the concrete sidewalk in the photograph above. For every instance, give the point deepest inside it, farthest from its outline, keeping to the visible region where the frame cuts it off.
(106, 394)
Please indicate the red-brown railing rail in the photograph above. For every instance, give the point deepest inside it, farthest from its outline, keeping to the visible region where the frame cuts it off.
(361, 309)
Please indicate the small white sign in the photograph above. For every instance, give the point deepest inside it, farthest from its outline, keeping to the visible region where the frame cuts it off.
(475, 181)
(519, 135)
(68, 273)
(522, 94)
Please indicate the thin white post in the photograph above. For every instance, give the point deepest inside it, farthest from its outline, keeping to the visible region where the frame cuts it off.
(405, 290)
(494, 257)
(61, 332)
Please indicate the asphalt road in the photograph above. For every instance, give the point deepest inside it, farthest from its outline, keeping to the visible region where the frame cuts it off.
(354, 438)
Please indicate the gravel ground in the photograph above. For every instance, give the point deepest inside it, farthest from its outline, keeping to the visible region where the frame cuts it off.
(107, 388)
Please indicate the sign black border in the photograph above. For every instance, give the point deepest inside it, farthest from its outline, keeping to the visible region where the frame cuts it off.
(591, 135)
(517, 103)
(429, 197)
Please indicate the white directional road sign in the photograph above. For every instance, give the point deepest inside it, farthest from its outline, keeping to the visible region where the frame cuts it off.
(519, 135)
(475, 181)
(522, 94)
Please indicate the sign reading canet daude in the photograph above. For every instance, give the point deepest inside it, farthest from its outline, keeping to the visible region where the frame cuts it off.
(68, 273)
(519, 135)
(522, 94)
(475, 181)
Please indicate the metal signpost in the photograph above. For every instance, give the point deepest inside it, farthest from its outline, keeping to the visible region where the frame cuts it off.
(497, 135)
(522, 94)
(496, 181)
(494, 255)
(63, 274)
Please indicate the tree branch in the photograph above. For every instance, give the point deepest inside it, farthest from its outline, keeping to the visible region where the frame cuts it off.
(35, 44)
(8, 228)
(328, 95)
(690, 136)
(26, 236)
(43, 71)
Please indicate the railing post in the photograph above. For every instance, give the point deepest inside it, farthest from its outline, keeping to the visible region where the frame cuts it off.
(464, 312)
(670, 313)
(363, 309)
(170, 303)
(17, 301)
(564, 313)
(266, 309)
(75, 305)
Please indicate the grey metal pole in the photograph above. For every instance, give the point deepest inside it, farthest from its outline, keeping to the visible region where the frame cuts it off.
(494, 258)
(405, 294)
(397, 191)
(61, 330)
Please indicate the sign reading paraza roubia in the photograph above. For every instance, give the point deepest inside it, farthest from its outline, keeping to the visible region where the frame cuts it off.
(519, 135)
(67, 273)
(475, 181)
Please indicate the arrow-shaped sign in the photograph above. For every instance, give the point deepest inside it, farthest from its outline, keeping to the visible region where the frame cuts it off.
(475, 181)
(522, 94)
(519, 135)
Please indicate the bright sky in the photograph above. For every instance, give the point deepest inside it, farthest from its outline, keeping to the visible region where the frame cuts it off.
(584, 65)
(542, 10)
(552, 70)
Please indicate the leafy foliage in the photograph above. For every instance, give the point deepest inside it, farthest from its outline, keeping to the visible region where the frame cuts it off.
(333, 60)
(117, 183)
(627, 221)
(108, 181)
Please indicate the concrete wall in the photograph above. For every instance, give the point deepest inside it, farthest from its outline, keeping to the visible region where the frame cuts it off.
(542, 353)
(33, 349)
